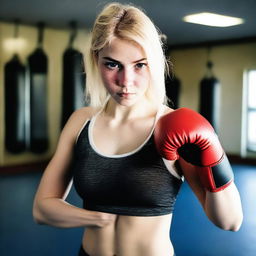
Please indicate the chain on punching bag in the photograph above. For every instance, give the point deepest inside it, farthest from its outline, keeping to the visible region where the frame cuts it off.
(210, 97)
(37, 66)
(14, 87)
(73, 79)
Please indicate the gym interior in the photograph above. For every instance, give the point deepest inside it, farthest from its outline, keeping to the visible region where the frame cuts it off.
(39, 61)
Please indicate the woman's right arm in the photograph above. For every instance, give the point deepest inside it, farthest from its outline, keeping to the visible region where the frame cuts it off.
(223, 208)
(50, 206)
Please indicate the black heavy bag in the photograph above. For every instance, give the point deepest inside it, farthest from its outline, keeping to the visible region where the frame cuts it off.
(37, 66)
(172, 86)
(15, 121)
(172, 83)
(73, 83)
(210, 98)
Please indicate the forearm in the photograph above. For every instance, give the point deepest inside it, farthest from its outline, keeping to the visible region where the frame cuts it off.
(224, 208)
(56, 212)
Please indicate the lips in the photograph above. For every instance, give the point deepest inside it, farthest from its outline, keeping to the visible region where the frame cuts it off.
(125, 94)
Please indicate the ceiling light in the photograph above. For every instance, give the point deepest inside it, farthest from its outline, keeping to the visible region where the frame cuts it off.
(212, 19)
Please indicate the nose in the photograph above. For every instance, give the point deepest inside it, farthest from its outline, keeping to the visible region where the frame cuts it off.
(126, 77)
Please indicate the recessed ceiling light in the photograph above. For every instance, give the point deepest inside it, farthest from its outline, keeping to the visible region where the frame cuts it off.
(212, 19)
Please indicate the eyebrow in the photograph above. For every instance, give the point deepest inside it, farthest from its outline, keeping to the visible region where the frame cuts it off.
(111, 59)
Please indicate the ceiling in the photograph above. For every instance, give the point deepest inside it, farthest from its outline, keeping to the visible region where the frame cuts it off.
(167, 15)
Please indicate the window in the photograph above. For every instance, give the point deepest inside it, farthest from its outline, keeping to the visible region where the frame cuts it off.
(250, 110)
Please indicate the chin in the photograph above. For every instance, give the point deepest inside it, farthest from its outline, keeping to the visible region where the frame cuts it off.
(127, 102)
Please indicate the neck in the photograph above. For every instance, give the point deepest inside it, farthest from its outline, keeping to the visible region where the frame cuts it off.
(121, 113)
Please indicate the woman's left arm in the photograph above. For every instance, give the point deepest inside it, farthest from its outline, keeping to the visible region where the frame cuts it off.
(223, 208)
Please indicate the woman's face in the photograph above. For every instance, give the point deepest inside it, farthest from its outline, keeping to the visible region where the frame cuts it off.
(124, 70)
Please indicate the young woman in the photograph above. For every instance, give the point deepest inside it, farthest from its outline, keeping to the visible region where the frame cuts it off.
(109, 150)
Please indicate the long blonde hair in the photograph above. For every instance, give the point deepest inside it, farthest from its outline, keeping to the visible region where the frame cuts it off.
(129, 23)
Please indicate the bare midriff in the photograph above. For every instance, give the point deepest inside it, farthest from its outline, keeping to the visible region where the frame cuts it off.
(130, 236)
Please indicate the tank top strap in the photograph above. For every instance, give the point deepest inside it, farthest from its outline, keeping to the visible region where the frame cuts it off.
(93, 117)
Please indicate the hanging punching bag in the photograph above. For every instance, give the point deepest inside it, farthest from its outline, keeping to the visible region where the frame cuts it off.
(172, 87)
(73, 84)
(14, 83)
(15, 107)
(210, 97)
(172, 83)
(37, 66)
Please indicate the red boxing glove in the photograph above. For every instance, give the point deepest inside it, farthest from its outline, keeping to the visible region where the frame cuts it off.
(186, 133)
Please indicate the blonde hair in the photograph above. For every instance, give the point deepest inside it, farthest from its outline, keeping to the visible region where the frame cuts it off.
(129, 23)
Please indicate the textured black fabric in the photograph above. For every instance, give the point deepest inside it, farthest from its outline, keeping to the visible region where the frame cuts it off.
(136, 185)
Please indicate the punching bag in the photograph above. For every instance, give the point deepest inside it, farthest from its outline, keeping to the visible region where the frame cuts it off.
(172, 87)
(73, 82)
(37, 69)
(172, 83)
(15, 122)
(210, 97)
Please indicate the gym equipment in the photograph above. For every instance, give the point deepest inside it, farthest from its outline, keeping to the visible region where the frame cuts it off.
(15, 107)
(187, 134)
(210, 97)
(37, 69)
(172, 87)
(73, 83)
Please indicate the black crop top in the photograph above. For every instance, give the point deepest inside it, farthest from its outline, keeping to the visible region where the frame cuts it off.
(134, 184)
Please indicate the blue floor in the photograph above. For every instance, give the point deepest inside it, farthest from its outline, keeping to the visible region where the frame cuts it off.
(192, 234)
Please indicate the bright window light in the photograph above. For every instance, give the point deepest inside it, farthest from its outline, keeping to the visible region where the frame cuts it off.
(212, 19)
(250, 110)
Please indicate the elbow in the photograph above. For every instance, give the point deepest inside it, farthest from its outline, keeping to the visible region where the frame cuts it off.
(233, 226)
(37, 219)
(228, 222)
(37, 216)
(236, 225)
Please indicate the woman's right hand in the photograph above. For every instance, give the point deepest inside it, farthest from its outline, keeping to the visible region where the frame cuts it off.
(101, 219)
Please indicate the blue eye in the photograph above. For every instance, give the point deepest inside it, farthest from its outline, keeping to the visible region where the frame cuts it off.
(112, 65)
(140, 65)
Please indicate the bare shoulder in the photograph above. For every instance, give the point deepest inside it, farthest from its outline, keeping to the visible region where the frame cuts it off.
(82, 114)
(166, 110)
(77, 120)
